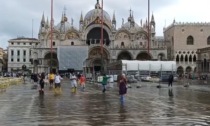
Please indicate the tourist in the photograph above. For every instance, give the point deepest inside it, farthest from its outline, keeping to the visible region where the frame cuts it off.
(170, 80)
(73, 80)
(122, 88)
(51, 78)
(82, 82)
(104, 82)
(57, 81)
(41, 83)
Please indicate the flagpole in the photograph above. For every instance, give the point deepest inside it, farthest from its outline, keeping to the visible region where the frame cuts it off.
(148, 47)
(51, 35)
(102, 34)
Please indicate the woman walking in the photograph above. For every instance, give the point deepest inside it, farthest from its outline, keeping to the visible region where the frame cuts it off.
(122, 88)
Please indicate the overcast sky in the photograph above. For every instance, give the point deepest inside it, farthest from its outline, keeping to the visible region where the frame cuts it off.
(17, 15)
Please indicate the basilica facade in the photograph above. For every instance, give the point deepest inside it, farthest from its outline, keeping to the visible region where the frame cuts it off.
(129, 41)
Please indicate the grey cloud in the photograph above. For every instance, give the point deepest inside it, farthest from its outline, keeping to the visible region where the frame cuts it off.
(17, 15)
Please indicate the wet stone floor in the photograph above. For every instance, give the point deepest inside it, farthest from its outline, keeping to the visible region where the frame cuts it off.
(145, 106)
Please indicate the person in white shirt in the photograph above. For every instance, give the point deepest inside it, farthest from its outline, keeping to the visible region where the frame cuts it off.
(57, 81)
(73, 80)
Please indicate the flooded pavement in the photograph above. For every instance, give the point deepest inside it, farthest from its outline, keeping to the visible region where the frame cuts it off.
(145, 106)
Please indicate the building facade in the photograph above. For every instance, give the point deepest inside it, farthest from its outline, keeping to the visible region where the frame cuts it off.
(19, 53)
(129, 42)
(183, 40)
(203, 61)
(1, 59)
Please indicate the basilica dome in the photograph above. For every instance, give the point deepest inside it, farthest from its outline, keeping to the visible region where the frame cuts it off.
(97, 13)
(128, 26)
(64, 25)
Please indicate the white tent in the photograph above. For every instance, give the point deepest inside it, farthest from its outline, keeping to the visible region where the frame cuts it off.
(134, 65)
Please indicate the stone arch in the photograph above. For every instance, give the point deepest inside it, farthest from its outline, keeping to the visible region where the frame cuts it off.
(182, 58)
(190, 58)
(72, 34)
(186, 58)
(188, 69)
(195, 69)
(55, 35)
(97, 62)
(139, 33)
(143, 56)
(95, 52)
(190, 40)
(89, 28)
(205, 65)
(124, 55)
(177, 58)
(122, 31)
(208, 40)
(180, 70)
(161, 56)
(54, 58)
(94, 36)
(194, 58)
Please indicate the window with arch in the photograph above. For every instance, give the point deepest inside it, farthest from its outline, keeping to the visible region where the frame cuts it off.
(122, 44)
(72, 43)
(208, 40)
(186, 58)
(177, 58)
(182, 58)
(190, 58)
(194, 58)
(190, 40)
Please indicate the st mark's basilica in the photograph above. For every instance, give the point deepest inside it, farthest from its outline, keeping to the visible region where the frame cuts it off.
(79, 48)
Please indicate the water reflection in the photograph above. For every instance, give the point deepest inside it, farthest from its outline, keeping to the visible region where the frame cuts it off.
(170, 92)
(122, 113)
(41, 101)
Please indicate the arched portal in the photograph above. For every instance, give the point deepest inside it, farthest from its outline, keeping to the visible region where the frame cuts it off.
(98, 61)
(180, 70)
(94, 36)
(53, 63)
(143, 56)
(161, 56)
(125, 55)
(195, 70)
(188, 69)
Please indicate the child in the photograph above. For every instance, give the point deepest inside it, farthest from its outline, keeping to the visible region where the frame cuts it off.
(82, 82)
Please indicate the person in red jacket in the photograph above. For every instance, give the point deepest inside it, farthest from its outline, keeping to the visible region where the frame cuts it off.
(82, 82)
